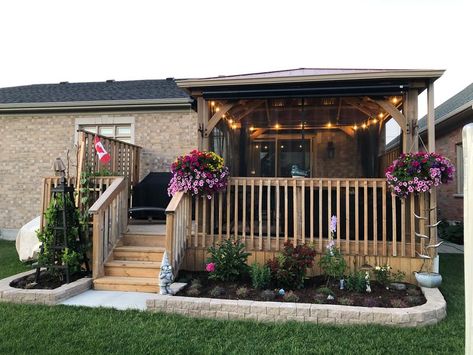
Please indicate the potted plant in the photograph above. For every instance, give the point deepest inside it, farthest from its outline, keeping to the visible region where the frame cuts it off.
(198, 173)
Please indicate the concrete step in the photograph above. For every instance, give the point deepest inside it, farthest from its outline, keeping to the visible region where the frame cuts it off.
(130, 284)
(138, 253)
(130, 268)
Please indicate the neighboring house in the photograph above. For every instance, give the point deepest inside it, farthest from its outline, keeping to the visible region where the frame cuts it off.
(39, 122)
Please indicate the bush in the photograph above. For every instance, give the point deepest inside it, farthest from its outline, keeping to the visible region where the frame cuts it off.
(333, 264)
(242, 292)
(260, 276)
(356, 282)
(413, 291)
(290, 297)
(193, 291)
(268, 295)
(227, 262)
(325, 291)
(384, 275)
(217, 291)
(414, 300)
(451, 232)
(397, 303)
(195, 283)
(289, 268)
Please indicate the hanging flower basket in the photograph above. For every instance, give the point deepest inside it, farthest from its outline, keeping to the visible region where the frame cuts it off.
(198, 173)
(418, 172)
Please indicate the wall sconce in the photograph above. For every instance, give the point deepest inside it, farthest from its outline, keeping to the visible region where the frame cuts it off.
(330, 150)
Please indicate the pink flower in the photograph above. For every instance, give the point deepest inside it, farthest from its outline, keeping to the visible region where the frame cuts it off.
(210, 267)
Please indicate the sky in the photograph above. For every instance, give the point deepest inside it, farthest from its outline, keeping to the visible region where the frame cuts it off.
(52, 41)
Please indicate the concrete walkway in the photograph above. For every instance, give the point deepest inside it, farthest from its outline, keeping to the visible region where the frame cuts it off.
(116, 299)
(450, 248)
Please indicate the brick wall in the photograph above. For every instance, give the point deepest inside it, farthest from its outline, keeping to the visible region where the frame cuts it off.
(346, 162)
(450, 206)
(29, 145)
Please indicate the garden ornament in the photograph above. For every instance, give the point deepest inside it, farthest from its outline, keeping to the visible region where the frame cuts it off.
(166, 277)
(367, 278)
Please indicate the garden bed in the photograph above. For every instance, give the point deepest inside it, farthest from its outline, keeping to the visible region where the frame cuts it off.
(314, 291)
(46, 281)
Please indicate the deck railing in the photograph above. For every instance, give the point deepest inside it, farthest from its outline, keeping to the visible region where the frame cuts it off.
(267, 212)
(178, 224)
(110, 219)
(125, 157)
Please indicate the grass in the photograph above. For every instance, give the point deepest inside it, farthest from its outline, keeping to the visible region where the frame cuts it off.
(71, 330)
(9, 263)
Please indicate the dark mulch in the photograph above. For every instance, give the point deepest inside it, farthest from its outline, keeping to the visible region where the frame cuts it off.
(313, 292)
(47, 281)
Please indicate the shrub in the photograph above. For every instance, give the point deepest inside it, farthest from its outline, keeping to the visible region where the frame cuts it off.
(289, 268)
(413, 291)
(290, 297)
(332, 263)
(346, 301)
(384, 275)
(228, 261)
(356, 282)
(193, 291)
(451, 232)
(325, 291)
(260, 276)
(217, 291)
(242, 292)
(268, 295)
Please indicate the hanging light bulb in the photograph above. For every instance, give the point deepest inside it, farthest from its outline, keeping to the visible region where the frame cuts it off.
(257, 146)
(329, 124)
(234, 126)
(217, 109)
(395, 100)
(380, 115)
(277, 126)
(375, 120)
(252, 128)
(230, 121)
(355, 127)
(363, 125)
(212, 103)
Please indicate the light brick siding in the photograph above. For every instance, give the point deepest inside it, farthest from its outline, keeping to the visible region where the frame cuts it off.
(29, 145)
(450, 206)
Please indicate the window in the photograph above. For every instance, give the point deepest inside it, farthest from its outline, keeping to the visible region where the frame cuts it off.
(459, 167)
(121, 128)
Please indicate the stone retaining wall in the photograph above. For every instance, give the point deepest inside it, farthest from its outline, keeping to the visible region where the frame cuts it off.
(32, 296)
(429, 313)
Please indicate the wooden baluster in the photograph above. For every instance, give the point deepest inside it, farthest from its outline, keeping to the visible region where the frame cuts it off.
(384, 207)
(394, 239)
(403, 227)
(243, 227)
(365, 219)
(268, 214)
(422, 212)
(229, 189)
(303, 211)
(321, 191)
(338, 213)
(375, 218)
(413, 225)
(220, 215)
(329, 205)
(204, 221)
(286, 211)
(295, 212)
(235, 216)
(311, 236)
(357, 220)
(260, 215)
(277, 214)
(252, 213)
(196, 239)
(212, 219)
(347, 216)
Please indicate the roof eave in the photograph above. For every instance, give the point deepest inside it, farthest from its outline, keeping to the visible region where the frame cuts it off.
(102, 104)
(451, 114)
(404, 74)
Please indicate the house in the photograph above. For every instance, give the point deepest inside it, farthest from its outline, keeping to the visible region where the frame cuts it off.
(329, 123)
(40, 122)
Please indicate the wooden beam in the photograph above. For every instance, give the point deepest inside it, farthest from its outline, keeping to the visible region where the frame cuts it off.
(217, 116)
(358, 105)
(348, 130)
(249, 109)
(258, 132)
(394, 112)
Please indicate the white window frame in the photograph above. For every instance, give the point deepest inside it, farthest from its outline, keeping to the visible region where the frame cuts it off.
(106, 120)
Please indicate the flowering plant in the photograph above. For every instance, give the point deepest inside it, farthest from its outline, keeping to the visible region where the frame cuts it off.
(332, 262)
(385, 276)
(199, 173)
(418, 172)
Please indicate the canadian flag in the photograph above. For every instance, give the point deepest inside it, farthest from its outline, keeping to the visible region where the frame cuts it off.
(104, 156)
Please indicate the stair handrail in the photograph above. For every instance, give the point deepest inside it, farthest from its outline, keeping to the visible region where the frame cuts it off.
(110, 220)
(178, 219)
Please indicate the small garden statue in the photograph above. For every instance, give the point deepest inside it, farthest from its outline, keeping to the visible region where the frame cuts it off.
(367, 279)
(166, 277)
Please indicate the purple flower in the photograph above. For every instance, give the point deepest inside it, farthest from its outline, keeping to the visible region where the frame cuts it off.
(333, 224)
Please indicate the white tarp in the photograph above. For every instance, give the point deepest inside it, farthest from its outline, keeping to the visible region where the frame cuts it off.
(27, 243)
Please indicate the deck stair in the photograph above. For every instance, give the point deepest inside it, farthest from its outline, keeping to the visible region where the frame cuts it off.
(136, 260)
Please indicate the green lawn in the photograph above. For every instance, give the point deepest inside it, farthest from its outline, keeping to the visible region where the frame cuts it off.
(64, 330)
(9, 263)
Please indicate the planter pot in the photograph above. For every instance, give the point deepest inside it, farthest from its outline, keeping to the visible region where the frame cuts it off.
(428, 279)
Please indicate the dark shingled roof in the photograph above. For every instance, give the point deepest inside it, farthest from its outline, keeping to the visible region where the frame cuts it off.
(446, 109)
(94, 91)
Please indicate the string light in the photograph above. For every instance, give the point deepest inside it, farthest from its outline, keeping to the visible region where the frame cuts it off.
(277, 126)
(234, 126)
(257, 146)
(230, 121)
(212, 103)
(380, 115)
(363, 125)
(329, 124)
(355, 127)
(375, 120)
(217, 109)
(252, 129)
(395, 100)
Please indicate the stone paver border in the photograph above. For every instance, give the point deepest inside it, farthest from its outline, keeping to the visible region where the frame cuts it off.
(32, 296)
(433, 311)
